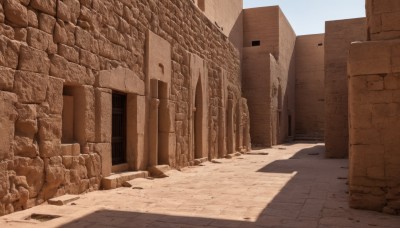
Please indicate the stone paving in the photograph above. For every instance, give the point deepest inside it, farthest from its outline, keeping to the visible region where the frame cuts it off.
(291, 186)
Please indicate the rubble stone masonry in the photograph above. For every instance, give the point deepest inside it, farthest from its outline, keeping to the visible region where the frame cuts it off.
(56, 54)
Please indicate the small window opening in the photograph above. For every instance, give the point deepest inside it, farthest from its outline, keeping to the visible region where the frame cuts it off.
(320, 44)
(255, 43)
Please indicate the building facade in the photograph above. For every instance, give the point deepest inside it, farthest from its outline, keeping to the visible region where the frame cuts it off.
(90, 88)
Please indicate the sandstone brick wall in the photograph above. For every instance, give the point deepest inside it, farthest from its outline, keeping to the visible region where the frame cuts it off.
(310, 115)
(383, 19)
(374, 109)
(228, 16)
(268, 74)
(338, 36)
(55, 47)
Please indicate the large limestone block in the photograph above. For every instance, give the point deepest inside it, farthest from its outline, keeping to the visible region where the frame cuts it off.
(47, 6)
(8, 116)
(26, 124)
(9, 50)
(25, 147)
(4, 179)
(50, 136)
(41, 40)
(367, 58)
(93, 165)
(55, 176)
(70, 53)
(34, 60)
(89, 60)
(33, 170)
(6, 79)
(121, 79)
(55, 95)
(74, 7)
(46, 23)
(16, 13)
(104, 150)
(86, 41)
(72, 73)
(30, 87)
(103, 115)
(85, 120)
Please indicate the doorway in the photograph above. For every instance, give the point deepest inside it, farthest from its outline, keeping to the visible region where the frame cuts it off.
(118, 128)
(198, 121)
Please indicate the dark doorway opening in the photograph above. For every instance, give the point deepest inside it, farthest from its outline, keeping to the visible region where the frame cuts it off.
(163, 126)
(118, 128)
(198, 121)
(289, 125)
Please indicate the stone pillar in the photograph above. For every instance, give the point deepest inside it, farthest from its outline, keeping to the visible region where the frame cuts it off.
(153, 132)
(230, 128)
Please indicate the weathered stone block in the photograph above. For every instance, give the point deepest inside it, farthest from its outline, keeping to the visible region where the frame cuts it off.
(48, 149)
(104, 150)
(55, 95)
(26, 124)
(93, 165)
(74, 8)
(25, 147)
(40, 40)
(9, 52)
(103, 115)
(86, 41)
(48, 6)
(8, 116)
(2, 16)
(30, 87)
(121, 79)
(72, 73)
(34, 60)
(89, 60)
(33, 170)
(16, 13)
(377, 61)
(60, 33)
(69, 53)
(63, 12)
(33, 19)
(6, 79)
(70, 149)
(50, 128)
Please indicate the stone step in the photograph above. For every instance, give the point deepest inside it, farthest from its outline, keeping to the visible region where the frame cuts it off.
(117, 180)
(63, 200)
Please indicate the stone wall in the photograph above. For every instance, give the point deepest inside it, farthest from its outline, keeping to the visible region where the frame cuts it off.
(227, 15)
(338, 36)
(374, 111)
(310, 115)
(65, 58)
(268, 74)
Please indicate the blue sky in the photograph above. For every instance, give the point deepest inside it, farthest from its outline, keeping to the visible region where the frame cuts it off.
(309, 16)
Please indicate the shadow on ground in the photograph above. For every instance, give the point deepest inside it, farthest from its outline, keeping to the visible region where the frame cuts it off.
(314, 196)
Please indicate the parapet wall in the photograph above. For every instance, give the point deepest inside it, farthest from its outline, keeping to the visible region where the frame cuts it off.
(68, 53)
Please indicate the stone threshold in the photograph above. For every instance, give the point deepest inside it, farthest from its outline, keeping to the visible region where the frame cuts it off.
(117, 180)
